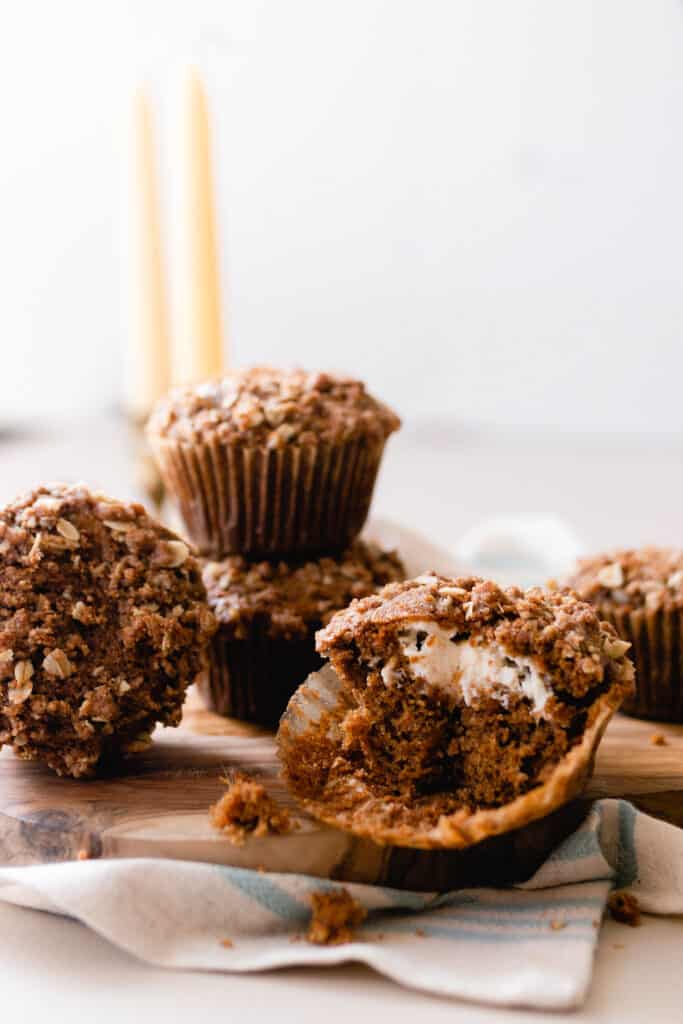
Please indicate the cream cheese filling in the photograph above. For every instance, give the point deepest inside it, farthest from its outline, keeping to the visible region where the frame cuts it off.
(473, 670)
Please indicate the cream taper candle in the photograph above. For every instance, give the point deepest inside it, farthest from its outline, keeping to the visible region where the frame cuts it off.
(199, 352)
(149, 369)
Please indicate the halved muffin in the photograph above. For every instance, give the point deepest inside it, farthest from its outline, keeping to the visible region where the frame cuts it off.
(452, 710)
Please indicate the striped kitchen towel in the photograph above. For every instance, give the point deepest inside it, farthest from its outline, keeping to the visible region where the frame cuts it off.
(540, 936)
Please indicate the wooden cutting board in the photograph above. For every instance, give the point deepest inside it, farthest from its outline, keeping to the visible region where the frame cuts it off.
(159, 809)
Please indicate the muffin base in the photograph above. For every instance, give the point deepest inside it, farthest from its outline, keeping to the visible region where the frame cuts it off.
(269, 501)
(253, 679)
(656, 637)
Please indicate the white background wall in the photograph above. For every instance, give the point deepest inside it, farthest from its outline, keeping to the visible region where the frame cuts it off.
(475, 204)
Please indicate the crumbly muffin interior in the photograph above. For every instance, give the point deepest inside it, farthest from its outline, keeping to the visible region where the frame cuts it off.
(452, 695)
(427, 747)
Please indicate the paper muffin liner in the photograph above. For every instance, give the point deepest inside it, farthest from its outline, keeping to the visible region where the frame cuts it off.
(656, 636)
(320, 705)
(270, 501)
(253, 678)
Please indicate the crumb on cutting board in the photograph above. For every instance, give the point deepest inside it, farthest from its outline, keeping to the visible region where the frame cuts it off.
(624, 907)
(658, 739)
(335, 917)
(246, 810)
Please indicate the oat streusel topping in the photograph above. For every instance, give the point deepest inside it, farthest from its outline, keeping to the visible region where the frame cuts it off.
(648, 578)
(562, 634)
(292, 596)
(267, 407)
(103, 625)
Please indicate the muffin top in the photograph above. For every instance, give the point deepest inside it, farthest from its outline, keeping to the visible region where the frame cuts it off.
(649, 578)
(103, 624)
(560, 633)
(293, 597)
(267, 407)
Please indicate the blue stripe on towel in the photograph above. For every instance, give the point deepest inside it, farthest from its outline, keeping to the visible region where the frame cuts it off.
(396, 899)
(581, 844)
(522, 909)
(487, 913)
(627, 861)
(267, 894)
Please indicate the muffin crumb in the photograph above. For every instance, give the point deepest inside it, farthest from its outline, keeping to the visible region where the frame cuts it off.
(227, 944)
(246, 810)
(624, 907)
(658, 739)
(557, 925)
(336, 916)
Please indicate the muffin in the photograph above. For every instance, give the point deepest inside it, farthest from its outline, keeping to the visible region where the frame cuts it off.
(451, 710)
(103, 624)
(268, 614)
(641, 594)
(266, 462)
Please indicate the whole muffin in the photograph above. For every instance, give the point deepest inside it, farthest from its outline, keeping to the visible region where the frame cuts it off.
(641, 593)
(451, 710)
(103, 625)
(267, 462)
(268, 614)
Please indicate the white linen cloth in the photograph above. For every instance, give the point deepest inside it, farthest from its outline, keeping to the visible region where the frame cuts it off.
(531, 946)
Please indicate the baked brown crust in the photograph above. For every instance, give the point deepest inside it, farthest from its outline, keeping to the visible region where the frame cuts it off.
(267, 407)
(292, 596)
(628, 579)
(103, 625)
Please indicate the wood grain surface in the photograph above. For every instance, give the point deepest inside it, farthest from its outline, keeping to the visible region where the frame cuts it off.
(159, 809)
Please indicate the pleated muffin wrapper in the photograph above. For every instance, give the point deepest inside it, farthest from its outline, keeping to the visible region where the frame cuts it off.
(235, 499)
(656, 638)
(314, 715)
(253, 678)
